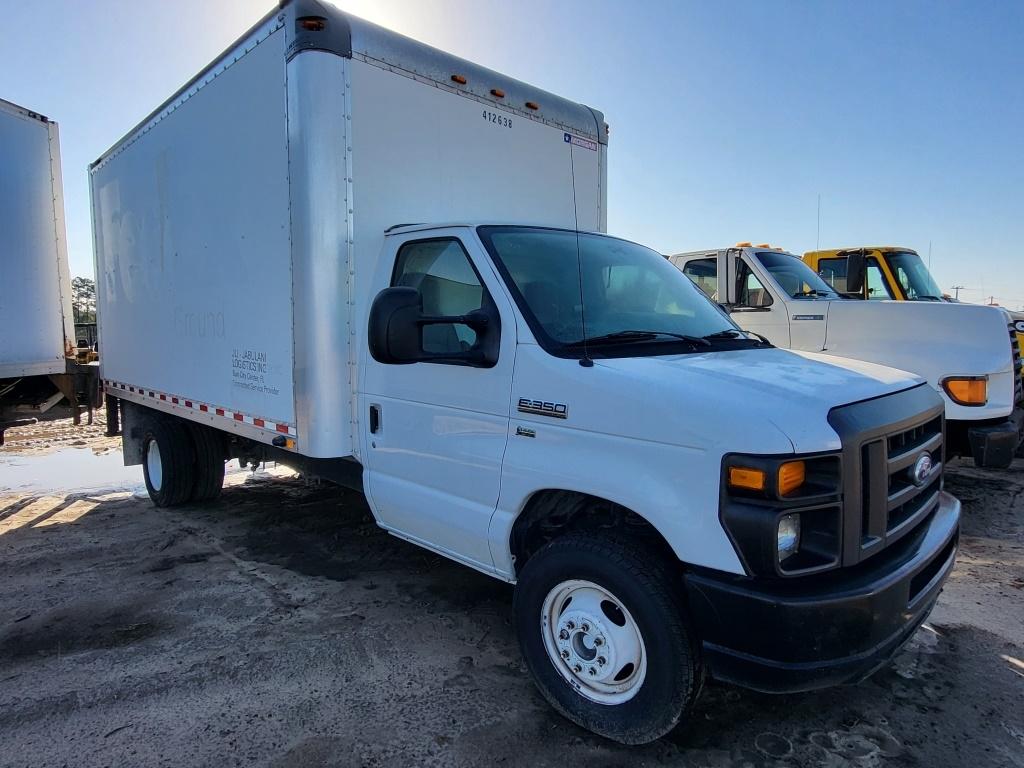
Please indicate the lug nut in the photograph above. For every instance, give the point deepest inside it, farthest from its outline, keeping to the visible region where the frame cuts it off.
(601, 661)
(591, 671)
(585, 627)
(563, 635)
(570, 625)
(565, 654)
(577, 668)
(598, 642)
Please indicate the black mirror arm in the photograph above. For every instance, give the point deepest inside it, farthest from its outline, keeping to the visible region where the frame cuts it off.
(477, 320)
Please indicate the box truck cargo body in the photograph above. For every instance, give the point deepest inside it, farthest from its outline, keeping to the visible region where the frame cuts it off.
(386, 266)
(36, 321)
(228, 227)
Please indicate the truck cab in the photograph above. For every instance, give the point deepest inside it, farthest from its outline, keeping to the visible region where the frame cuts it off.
(968, 353)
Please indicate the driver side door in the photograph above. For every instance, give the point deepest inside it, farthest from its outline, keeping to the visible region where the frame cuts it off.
(434, 433)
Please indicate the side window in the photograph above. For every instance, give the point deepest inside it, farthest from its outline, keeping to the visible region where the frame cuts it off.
(751, 292)
(833, 272)
(875, 281)
(441, 271)
(704, 272)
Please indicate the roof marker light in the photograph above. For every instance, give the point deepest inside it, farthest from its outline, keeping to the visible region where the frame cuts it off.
(497, 93)
(459, 79)
(313, 23)
(532, 105)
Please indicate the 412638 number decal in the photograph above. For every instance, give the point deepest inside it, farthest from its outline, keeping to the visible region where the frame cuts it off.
(494, 117)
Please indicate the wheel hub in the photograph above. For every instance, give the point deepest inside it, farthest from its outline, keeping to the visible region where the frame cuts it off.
(593, 641)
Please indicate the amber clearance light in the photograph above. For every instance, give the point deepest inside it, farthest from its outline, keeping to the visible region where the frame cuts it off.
(747, 478)
(967, 390)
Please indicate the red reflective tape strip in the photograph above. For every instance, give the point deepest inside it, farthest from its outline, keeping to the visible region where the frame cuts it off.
(239, 417)
(220, 411)
(258, 422)
(282, 428)
(174, 400)
(204, 408)
(163, 397)
(188, 403)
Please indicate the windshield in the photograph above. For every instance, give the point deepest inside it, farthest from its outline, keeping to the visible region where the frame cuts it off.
(913, 276)
(634, 300)
(794, 277)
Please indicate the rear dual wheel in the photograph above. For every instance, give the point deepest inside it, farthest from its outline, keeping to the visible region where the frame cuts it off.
(181, 461)
(605, 636)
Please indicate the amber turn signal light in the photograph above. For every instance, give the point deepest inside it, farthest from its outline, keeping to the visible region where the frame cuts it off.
(967, 390)
(791, 476)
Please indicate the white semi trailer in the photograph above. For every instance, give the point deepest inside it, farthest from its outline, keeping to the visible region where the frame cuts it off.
(38, 368)
(305, 255)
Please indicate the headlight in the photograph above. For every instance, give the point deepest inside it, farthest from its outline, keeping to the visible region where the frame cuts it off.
(783, 513)
(788, 536)
(967, 390)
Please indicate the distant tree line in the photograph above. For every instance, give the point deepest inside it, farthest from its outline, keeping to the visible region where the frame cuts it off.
(83, 299)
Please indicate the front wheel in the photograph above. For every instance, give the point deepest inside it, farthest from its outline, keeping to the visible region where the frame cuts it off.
(605, 636)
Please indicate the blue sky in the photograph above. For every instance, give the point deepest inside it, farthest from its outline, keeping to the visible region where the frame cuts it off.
(728, 119)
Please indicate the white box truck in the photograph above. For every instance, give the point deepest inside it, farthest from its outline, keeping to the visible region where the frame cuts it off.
(37, 333)
(968, 353)
(383, 265)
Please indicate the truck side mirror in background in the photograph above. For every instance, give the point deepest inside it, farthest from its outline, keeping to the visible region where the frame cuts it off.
(728, 278)
(395, 333)
(855, 266)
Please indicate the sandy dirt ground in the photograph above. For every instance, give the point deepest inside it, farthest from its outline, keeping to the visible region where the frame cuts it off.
(280, 627)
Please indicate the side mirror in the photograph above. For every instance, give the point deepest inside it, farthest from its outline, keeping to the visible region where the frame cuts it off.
(395, 332)
(855, 266)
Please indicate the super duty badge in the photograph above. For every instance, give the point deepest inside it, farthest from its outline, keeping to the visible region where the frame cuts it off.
(543, 408)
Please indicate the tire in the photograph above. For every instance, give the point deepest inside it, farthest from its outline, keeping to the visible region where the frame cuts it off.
(632, 706)
(168, 461)
(209, 466)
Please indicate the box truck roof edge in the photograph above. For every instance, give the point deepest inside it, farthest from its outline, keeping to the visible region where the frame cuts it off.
(312, 25)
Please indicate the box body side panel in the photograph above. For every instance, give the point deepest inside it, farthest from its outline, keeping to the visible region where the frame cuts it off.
(34, 283)
(192, 239)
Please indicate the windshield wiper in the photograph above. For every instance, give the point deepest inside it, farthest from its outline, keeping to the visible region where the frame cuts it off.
(730, 333)
(628, 337)
(926, 297)
(813, 292)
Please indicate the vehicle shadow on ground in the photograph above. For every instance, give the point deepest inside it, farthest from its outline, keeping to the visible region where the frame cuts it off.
(297, 570)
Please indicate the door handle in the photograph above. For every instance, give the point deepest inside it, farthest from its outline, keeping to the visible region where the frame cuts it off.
(374, 419)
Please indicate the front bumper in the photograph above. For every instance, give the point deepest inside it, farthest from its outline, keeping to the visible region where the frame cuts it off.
(784, 636)
(992, 444)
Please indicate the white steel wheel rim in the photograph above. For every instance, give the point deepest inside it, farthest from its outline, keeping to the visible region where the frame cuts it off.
(153, 465)
(593, 641)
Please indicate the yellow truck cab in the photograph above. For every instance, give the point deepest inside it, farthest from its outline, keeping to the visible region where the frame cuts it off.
(880, 273)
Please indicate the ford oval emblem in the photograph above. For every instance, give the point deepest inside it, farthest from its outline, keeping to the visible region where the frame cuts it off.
(922, 469)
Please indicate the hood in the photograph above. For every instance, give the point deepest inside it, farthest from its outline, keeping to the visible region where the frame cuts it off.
(758, 400)
(935, 339)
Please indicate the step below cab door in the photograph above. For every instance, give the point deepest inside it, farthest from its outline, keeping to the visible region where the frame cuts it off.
(433, 432)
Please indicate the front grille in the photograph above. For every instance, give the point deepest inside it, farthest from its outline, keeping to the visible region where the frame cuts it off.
(894, 503)
(882, 445)
(1018, 375)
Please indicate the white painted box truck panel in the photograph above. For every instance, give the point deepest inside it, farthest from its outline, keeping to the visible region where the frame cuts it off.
(192, 246)
(36, 324)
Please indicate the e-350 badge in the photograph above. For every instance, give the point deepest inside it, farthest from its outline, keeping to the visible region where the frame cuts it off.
(543, 408)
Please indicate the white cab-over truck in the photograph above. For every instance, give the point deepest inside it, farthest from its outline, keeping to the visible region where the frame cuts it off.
(968, 353)
(38, 367)
(552, 406)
